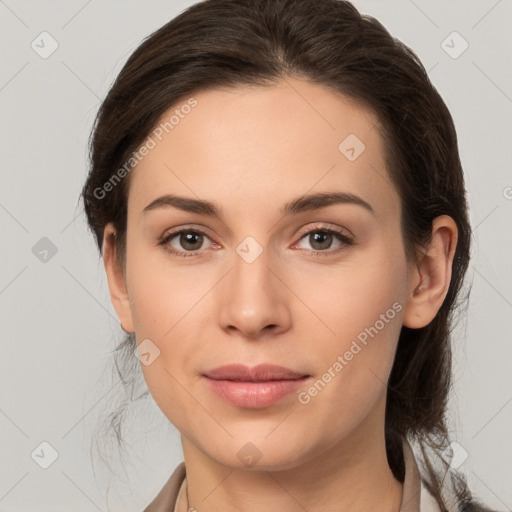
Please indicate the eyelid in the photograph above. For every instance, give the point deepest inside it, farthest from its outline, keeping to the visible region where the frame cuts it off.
(323, 226)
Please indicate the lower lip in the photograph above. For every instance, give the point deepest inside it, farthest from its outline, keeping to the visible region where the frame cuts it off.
(254, 395)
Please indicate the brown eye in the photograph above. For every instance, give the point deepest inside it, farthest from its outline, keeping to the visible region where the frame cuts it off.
(190, 240)
(321, 241)
(186, 242)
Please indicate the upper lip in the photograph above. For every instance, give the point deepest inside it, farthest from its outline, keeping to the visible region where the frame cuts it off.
(259, 373)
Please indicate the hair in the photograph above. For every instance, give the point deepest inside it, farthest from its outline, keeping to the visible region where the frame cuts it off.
(229, 43)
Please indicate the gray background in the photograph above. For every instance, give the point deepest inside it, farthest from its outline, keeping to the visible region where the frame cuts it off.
(57, 323)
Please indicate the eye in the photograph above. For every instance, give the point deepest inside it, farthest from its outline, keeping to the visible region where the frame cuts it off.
(188, 241)
(321, 240)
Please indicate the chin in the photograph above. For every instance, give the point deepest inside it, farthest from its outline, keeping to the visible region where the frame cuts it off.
(259, 453)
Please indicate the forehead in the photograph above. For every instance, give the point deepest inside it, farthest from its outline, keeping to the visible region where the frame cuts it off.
(252, 143)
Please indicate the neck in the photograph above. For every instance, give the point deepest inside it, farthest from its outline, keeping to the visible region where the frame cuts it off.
(352, 475)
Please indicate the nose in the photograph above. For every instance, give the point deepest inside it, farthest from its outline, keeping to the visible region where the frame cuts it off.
(254, 300)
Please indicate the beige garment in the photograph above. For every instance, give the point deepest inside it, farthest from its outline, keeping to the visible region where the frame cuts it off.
(415, 497)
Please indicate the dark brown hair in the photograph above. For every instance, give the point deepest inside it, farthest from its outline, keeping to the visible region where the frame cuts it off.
(222, 43)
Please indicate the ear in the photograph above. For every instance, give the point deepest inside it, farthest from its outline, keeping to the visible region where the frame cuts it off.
(116, 279)
(430, 278)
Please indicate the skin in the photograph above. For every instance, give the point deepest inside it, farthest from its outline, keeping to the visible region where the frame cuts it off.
(251, 150)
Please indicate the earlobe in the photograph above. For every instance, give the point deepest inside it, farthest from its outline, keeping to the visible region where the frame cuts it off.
(116, 280)
(430, 280)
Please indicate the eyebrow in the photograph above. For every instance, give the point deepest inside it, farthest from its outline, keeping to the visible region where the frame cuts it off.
(300, 204)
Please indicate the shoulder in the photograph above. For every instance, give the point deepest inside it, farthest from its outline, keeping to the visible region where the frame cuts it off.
(166, 498)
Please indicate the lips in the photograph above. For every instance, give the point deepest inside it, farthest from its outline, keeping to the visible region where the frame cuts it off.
(254, 388)
(259, 373)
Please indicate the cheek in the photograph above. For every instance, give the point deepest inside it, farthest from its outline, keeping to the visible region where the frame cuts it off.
(170, 307)
(161, 294)
(360, 307)
(351, 297)
(173, 394)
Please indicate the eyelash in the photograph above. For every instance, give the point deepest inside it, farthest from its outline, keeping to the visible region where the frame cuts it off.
(346, 240)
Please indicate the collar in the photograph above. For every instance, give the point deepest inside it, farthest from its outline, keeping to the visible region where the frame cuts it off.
(415, 497)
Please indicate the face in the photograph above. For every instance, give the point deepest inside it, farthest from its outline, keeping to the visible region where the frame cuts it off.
(318, 287)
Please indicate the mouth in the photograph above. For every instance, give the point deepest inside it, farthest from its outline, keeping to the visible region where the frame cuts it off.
(254, 388)
(259, 373)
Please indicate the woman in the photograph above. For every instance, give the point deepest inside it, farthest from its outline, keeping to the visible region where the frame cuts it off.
(278, 197)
